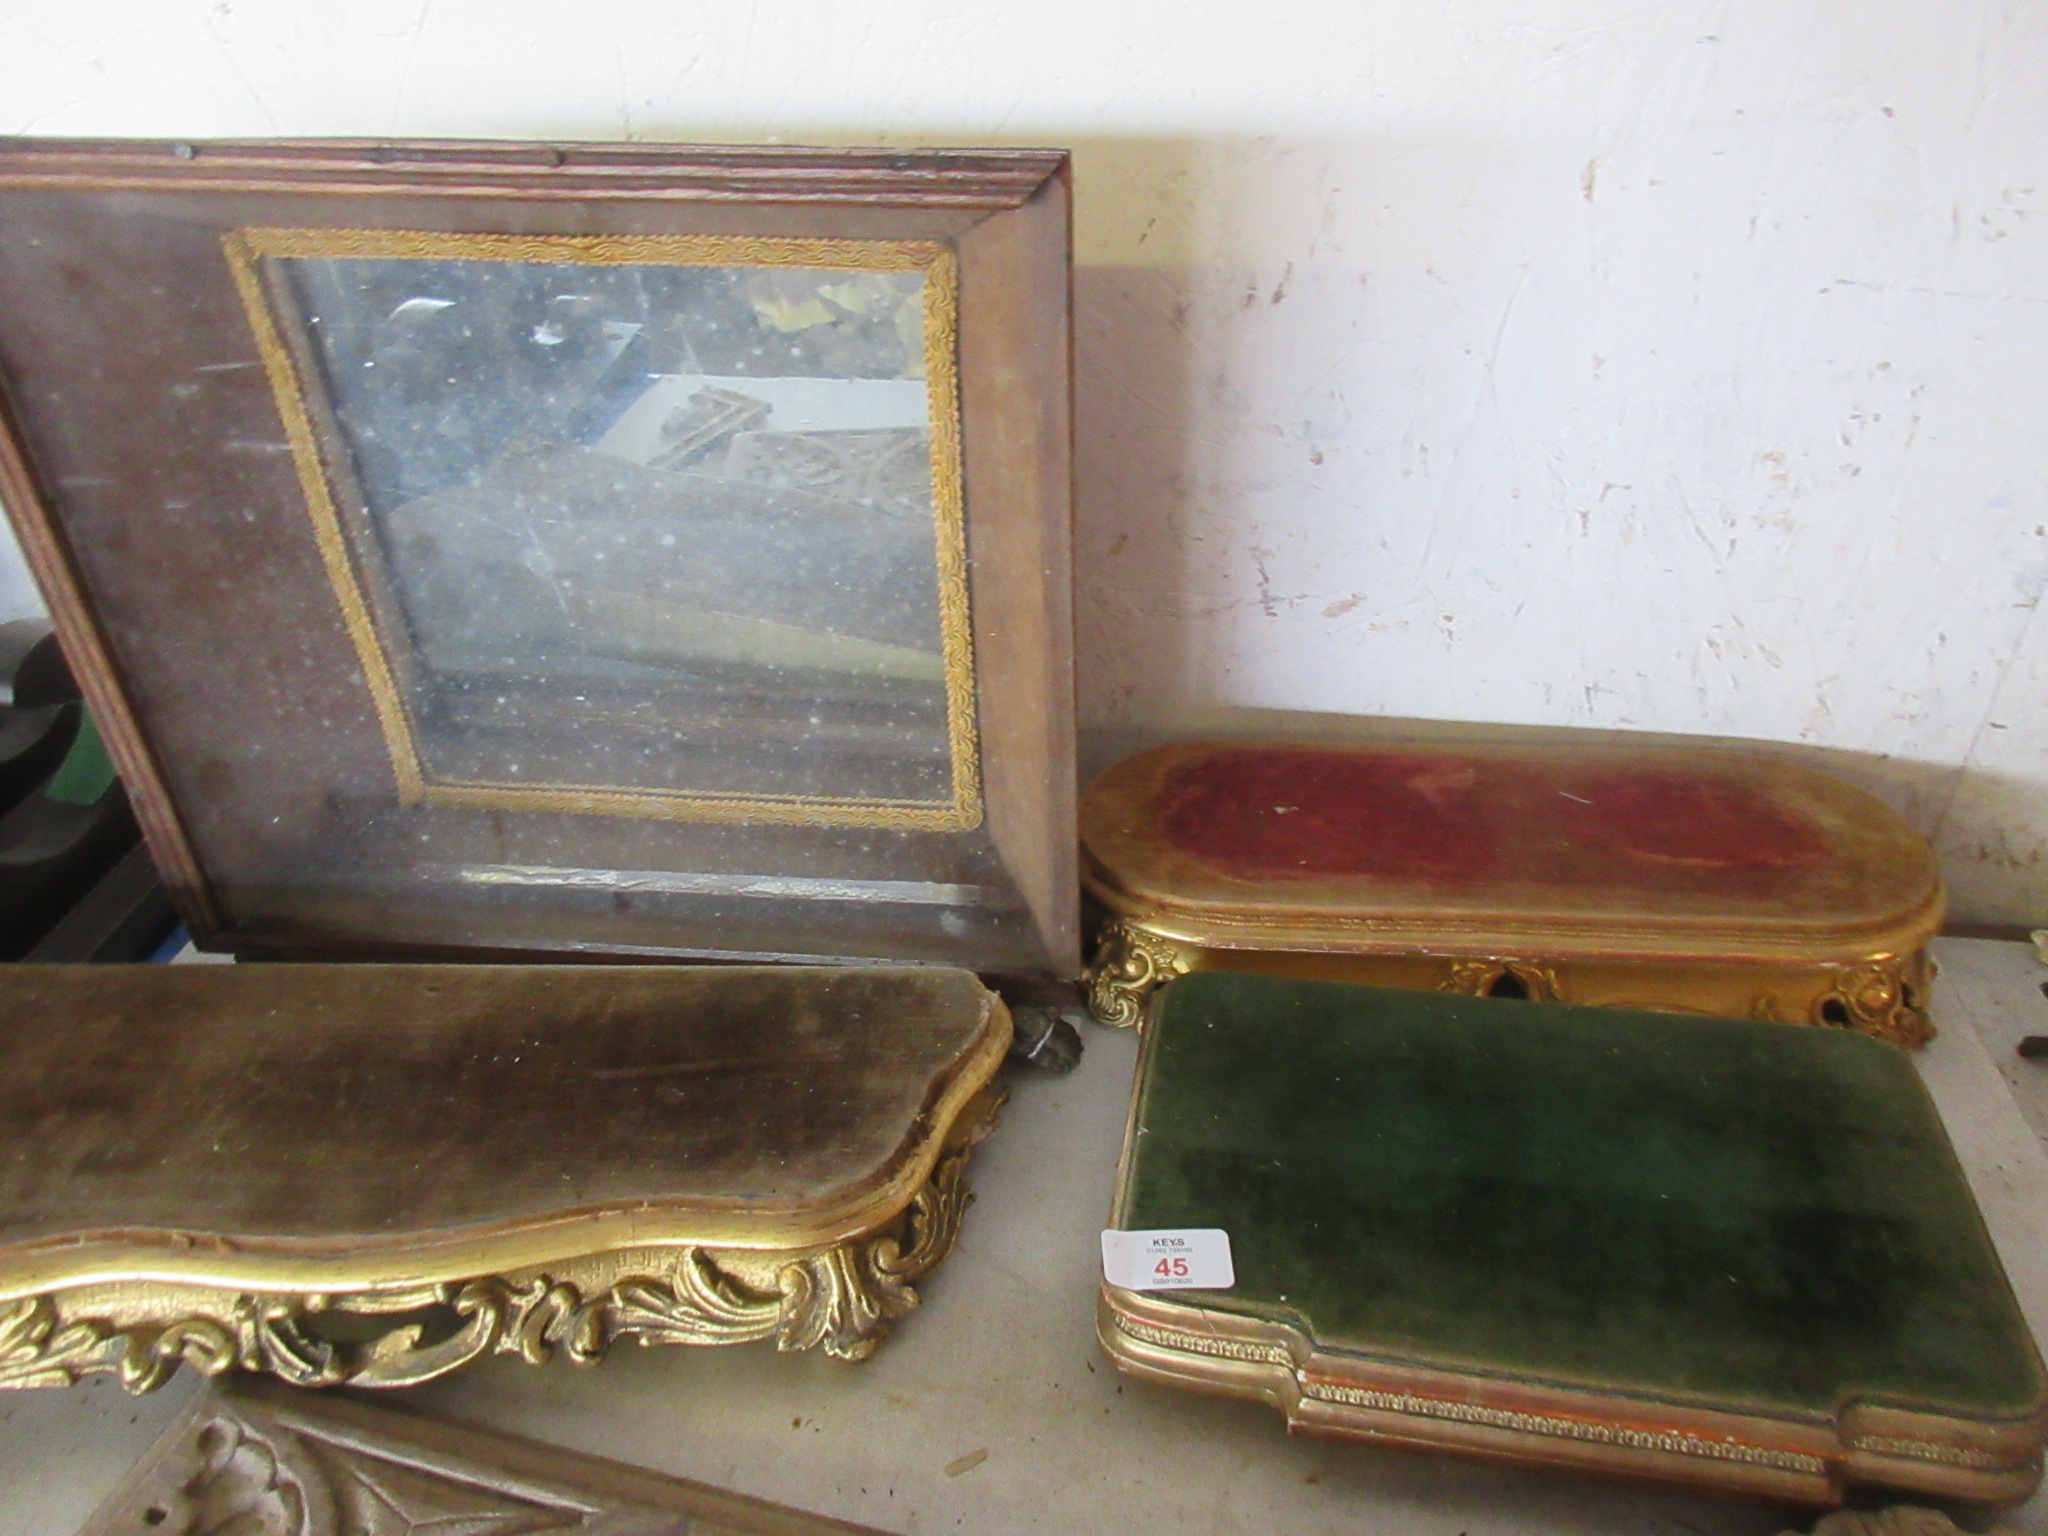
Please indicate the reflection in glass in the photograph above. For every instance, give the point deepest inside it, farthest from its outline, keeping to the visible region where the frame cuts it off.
(649, 527)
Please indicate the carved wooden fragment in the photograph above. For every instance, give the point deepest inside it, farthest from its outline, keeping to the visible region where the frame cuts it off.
(256, 1460)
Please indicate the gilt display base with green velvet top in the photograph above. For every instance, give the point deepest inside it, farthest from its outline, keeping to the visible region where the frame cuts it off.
(1726, 1253)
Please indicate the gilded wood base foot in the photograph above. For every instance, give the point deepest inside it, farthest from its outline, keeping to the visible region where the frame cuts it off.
(1128, 964)
(1884, 995)
(841, 1299)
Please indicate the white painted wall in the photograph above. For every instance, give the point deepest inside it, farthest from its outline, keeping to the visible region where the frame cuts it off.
(1677, 367)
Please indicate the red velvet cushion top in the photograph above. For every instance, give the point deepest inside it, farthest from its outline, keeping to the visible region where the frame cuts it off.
(1307, 813)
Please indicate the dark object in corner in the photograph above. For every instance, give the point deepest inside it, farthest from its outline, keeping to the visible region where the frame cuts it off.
(2034, 1047)
(38, 708)
(64, 820)
(1046, 1039)
(1044, 1015)
(126, 916)
(32, 670)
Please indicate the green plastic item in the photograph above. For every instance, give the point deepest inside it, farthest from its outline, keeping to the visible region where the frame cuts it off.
(87, 772)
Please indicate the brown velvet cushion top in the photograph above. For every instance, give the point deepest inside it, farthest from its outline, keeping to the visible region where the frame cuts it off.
(300, 1104)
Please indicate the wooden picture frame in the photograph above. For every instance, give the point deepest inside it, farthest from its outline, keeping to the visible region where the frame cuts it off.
(349, 634)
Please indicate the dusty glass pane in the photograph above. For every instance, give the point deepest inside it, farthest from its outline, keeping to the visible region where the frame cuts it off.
(631, 527)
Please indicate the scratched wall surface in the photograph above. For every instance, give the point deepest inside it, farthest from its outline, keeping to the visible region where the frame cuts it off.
(1679, 368)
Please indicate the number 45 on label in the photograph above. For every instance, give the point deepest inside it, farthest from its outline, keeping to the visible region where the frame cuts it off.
(1181, 1259)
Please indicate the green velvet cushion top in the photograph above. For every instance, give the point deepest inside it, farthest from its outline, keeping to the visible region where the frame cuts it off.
(1756, 1215)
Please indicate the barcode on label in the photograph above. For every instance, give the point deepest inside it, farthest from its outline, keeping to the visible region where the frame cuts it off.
(1183, 1259)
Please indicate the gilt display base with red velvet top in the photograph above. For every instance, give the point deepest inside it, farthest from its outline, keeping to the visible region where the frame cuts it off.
(1693, 881)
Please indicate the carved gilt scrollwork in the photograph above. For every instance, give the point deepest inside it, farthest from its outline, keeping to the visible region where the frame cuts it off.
(1525, 979)
(35, 1351)
(1128, 964)
(841, 1299)
(1885, 996)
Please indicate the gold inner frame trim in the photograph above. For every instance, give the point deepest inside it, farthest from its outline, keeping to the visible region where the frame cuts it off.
(246, 248)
